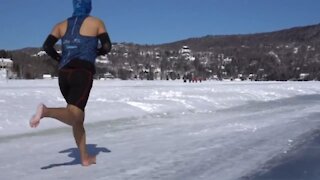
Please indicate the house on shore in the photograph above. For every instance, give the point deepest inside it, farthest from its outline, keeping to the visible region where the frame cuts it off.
(6, 68)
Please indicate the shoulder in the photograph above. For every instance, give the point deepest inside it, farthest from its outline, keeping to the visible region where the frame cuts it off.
(62, 24)
(95, 20)
(59, 28)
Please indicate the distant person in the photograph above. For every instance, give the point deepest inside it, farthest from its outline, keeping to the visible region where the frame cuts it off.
(80, 35)
(190, 77)
(184, 78)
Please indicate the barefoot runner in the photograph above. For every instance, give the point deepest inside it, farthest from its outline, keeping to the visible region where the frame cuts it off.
(80, 35)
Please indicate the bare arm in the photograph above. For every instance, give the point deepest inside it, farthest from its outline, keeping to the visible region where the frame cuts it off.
(101, 27)
(56, 31)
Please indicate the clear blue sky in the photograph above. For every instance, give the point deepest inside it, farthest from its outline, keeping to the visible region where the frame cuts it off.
(26, 23)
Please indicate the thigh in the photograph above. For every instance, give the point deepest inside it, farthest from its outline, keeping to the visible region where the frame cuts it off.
(63, 83)
(80, 83)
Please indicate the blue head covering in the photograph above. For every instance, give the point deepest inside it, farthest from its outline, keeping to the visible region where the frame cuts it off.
(81, 7)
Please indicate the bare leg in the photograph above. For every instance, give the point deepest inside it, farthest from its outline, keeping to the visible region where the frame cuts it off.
(68, 115)
(80, 137)
(35, 120)
(64, 115)
(73, 116)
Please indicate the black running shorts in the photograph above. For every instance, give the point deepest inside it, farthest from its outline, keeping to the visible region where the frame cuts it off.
(75, 86)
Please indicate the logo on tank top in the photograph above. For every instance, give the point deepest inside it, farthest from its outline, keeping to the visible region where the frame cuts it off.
(77, 40)
(72, 44)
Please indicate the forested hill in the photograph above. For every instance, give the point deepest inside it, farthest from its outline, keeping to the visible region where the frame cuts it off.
(298, 35)
(279, 55)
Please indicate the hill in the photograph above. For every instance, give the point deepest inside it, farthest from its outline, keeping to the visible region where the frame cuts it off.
(280, 55)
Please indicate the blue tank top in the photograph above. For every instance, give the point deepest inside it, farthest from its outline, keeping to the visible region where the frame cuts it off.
(76, 46)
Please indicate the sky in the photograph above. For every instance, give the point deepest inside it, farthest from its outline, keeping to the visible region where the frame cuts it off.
(26, 23)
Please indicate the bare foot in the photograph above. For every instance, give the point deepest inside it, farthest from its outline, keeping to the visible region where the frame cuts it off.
(89, 161)
(35, 120)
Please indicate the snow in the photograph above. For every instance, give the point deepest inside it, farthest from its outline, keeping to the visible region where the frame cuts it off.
(6, 60)
(272, 53)
(40, 53)
(160, 129)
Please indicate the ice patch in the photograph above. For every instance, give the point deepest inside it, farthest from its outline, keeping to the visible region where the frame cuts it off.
(60, 99)
(156, 95)
(145, 106)
(39, 92)
(101, 100)
(184, 102)
(170, 94)
(8, 122)
(138, 170)
(242, 127)
(202, 132)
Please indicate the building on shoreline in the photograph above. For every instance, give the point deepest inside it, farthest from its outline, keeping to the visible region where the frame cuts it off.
(6, 68)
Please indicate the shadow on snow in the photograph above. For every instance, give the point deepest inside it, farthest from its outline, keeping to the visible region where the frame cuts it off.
(75, 154)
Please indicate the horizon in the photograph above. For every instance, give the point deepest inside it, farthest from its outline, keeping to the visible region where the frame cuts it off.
(142, 23)
(183, 39)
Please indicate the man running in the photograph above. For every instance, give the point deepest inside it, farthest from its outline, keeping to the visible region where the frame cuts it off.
(79, 35)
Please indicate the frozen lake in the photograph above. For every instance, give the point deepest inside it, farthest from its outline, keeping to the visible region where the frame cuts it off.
(168, 130)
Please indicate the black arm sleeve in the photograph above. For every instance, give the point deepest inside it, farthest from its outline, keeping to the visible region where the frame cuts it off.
(48, 47)
(105, 44)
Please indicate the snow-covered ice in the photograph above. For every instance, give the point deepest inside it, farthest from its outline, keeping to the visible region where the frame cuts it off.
(166, 130)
